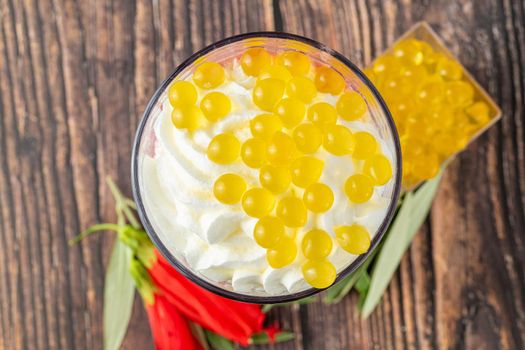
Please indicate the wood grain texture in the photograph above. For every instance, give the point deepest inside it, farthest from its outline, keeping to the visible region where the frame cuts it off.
(75, 77)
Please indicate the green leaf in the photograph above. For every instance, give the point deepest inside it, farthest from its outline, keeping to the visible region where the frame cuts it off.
(262, 337)
(198, 333)
(92, 229)
(267, 307)
(410, 216)
(362, 285)
(119, 291)
(123, 204)
(217, 342)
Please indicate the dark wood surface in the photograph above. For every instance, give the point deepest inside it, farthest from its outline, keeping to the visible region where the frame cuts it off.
(75, 77)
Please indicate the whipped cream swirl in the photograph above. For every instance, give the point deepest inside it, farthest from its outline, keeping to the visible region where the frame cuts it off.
(216, 240)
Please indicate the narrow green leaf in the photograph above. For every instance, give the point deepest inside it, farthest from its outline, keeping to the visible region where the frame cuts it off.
(217, 342)
(362, 285)
(198, 333)
(92, 229)
(119, 291)
(284, 336)
(122, 203)
(267, 307)
(262, 337)
(130, 203)
(410, 216)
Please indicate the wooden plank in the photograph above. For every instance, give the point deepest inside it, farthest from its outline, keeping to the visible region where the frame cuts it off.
(447, 293)
(74, 79)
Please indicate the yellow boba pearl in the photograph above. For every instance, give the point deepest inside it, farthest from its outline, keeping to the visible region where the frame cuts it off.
(316, 244)
(463, 124)
(224, 149)
(267, 93)
(268, 231)
(444, 143)
(408, 51)
(411, 147)
(322, 114)
(306, 171)
(229, 188)
(479, 112)
(461, 137)
(329, 81)
(265, 125)
(414, 75)
(296, 62)
(318, 198)
(301, 88)
(187, 117)
(378, 167)
(355, 238)
(429, 55)
(291, 111)
(338, 140)
(359, 188)
(384, 64)
(439, 117)
(351, 106)
(449, 69)
(182, 92)
(400, 110)
(258, 202)
(291, 211)
(282, 254)
(253, 152)
(281, 149)
(209, 75)
(425, 166)
(254, 59)
(365, 145)
(385, 67)
(319, 274)
(275, 179)
(308, 138)
(215, 106)
(275, 72)
(416, 125)
(432, 92)
(395, 89)
(459, 93)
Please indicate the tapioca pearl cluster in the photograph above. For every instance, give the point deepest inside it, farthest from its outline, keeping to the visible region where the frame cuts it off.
(319, 129)
(435, 108)
(286, 138)
(183, 97)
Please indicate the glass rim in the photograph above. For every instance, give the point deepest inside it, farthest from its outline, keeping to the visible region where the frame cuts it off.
(187, 272)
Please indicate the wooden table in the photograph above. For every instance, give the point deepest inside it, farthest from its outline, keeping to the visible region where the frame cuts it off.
(75, 77)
